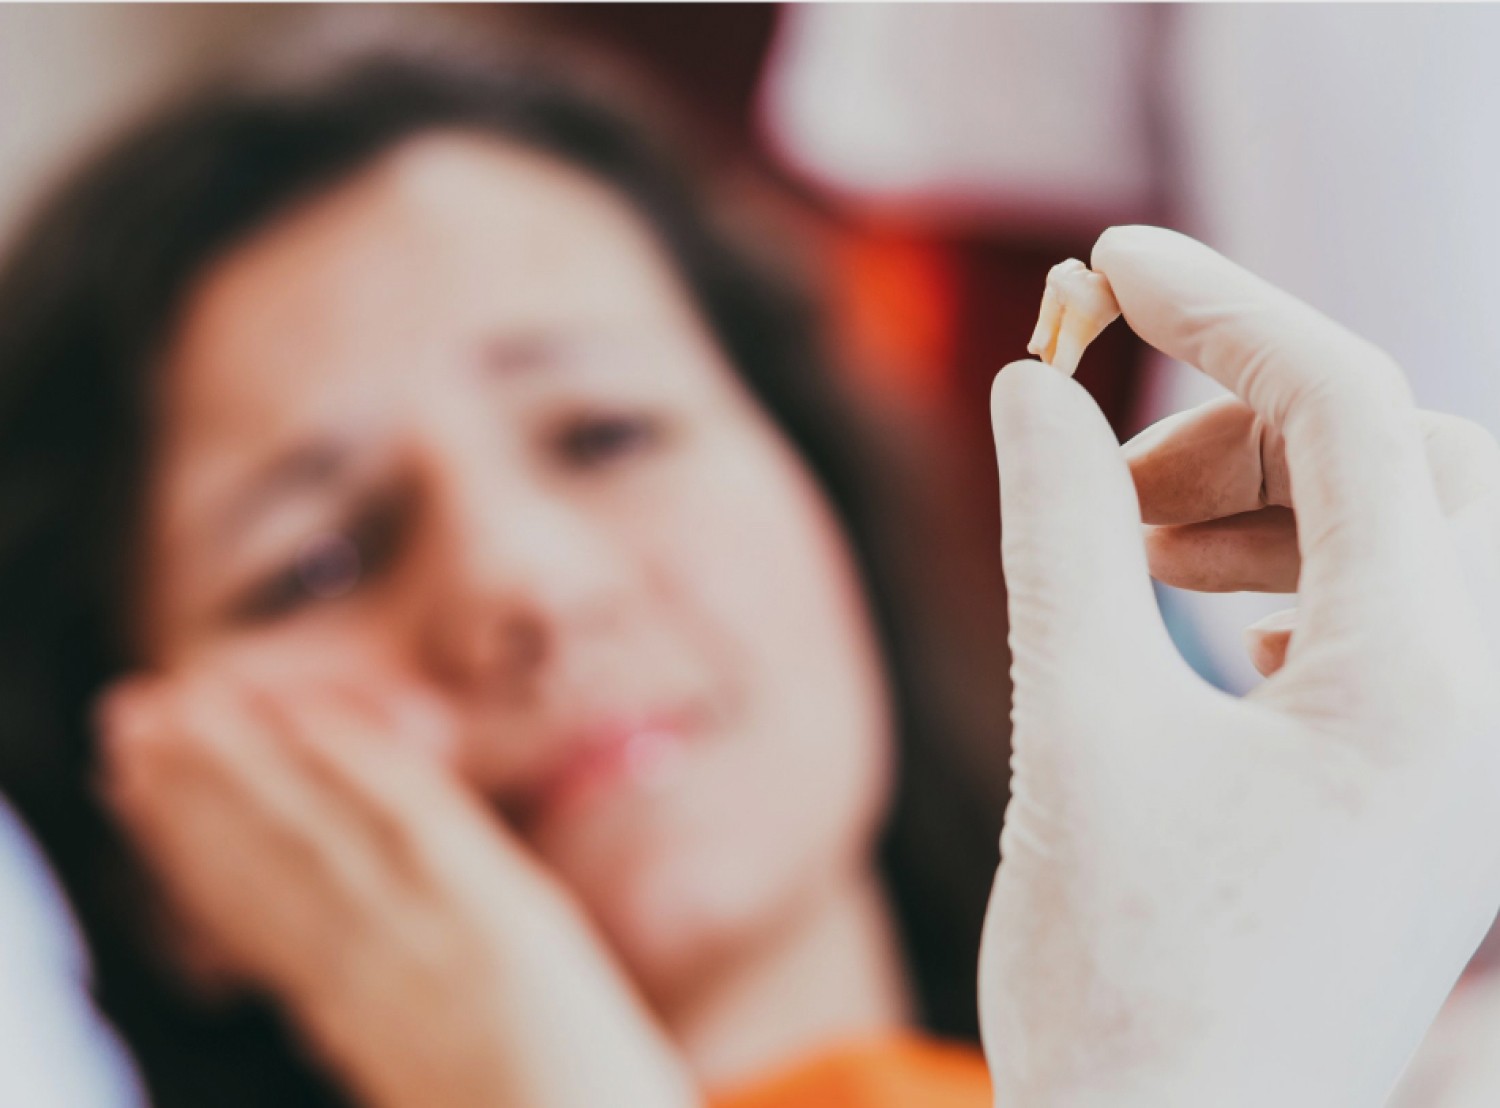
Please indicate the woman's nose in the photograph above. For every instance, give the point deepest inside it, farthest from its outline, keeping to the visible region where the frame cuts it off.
(521, 581)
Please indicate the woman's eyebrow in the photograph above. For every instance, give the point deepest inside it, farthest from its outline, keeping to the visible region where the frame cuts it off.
(522, 353)
(303, 469)
(568, 347)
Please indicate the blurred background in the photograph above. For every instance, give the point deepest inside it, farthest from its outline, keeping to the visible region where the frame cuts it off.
(941, 158)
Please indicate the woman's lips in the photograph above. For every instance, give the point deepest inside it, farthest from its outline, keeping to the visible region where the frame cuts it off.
(642, 755)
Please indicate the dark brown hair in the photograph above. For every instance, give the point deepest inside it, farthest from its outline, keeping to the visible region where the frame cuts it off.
(89, 295)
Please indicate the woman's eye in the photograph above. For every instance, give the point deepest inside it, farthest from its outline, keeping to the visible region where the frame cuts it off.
(327, 566)
(596, 442)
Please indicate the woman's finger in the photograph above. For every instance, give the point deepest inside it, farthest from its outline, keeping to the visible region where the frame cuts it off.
(382, 761)
(367, 753)
(1221, 458)
(1250, 552)
(208, 848)
(194, 729)
(1365, 501)
(206, 765)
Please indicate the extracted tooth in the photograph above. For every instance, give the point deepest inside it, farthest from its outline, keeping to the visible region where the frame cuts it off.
(1044, 338)
(1077, 305)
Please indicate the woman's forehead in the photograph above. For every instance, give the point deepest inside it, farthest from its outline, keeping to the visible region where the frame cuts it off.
(357, 309)
(445, 240)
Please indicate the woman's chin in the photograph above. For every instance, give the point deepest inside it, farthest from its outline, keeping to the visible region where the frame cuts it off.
(692, 875)
(673, 919)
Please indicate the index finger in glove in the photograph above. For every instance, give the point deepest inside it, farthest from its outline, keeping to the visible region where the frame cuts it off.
(1366, 509)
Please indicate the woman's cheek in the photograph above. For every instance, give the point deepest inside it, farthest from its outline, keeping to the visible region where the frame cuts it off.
(309, 648)
(355, 652)
(759, 552)
(792, 790)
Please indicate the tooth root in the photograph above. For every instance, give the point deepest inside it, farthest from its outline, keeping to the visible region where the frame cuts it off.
(1076, 306)
(1044, 337)
(1068, 349)
(1079, 329)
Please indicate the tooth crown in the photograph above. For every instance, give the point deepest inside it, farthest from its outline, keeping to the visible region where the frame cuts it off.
(1076, 306)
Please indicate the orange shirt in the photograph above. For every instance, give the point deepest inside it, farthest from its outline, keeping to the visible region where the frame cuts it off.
(885, 1073)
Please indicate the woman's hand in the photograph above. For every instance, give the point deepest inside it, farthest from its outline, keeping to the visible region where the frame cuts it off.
(1210, 900)
(317, 841)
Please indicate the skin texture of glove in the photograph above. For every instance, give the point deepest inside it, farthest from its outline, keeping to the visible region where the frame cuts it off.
(1212, 900)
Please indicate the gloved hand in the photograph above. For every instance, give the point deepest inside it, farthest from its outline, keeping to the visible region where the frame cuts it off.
(1214, 901)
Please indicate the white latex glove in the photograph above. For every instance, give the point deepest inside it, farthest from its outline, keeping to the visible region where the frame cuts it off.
(1213, 901)
(1458, 1065)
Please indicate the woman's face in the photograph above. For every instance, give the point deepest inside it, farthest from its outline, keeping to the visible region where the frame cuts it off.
(455, 429)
